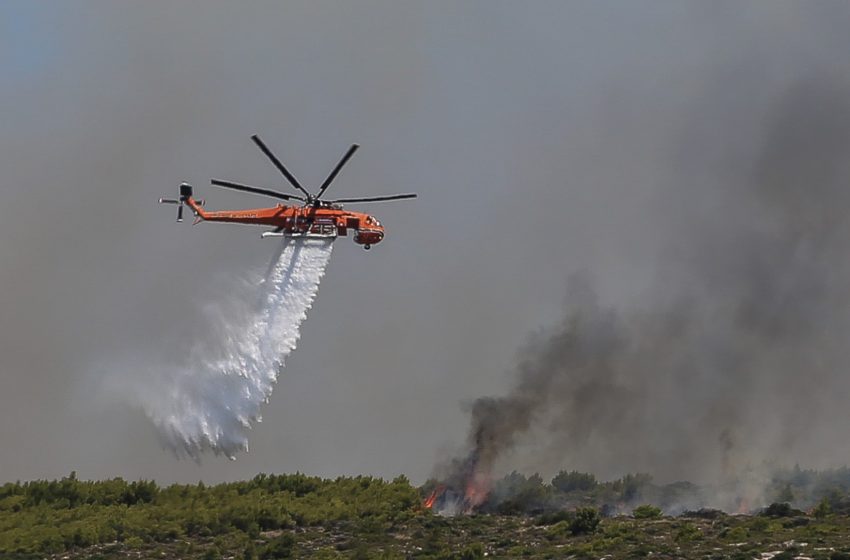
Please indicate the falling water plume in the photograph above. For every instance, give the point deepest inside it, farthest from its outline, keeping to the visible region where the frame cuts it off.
(211, 402)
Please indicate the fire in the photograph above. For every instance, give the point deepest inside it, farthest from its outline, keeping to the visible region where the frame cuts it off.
(447, 501)
(477, 490)
(429, 501)
(462, 493)
(473, 495)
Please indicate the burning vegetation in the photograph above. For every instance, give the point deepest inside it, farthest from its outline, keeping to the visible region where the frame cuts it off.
(730, 360)
(518, 494)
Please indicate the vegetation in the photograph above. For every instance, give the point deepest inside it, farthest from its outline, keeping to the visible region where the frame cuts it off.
(574, 480)
(298, 516)
(646, 511)
(586, 521)
(50, 517)
(568, 490)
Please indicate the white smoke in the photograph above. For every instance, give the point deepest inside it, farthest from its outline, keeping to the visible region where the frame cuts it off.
(212, 401)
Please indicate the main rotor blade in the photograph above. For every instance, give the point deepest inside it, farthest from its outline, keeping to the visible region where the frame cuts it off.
(289, 176)
(334, 173)
(254, 190)
(372, 199)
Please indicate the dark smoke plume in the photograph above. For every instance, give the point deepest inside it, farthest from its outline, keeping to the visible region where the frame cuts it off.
(736, 357)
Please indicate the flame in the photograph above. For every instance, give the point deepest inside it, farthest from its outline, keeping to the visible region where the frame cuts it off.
(450, 500)
(477, 489)
(429, 501)
(743, 506)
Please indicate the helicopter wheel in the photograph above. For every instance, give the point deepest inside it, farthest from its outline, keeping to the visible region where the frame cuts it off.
(367, 246)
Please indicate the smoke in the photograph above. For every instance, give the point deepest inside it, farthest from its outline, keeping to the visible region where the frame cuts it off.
(735, 358)
(211, 401)
(542, 140)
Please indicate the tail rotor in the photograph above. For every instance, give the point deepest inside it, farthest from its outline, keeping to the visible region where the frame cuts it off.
(185, 194)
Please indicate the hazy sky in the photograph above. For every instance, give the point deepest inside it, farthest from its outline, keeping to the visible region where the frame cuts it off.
(544, 139)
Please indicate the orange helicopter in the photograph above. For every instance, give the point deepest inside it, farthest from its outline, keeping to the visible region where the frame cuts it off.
(315, 217)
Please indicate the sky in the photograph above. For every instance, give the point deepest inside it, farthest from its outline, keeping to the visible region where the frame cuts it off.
(544, 140)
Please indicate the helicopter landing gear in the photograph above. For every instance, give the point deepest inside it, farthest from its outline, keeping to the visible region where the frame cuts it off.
(367, 246)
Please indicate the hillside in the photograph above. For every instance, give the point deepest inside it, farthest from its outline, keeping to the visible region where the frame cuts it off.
(282, 516)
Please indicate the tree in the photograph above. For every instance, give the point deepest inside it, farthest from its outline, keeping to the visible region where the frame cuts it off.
(786, 494)
(633, 483)
(571, 481)
(822, 509)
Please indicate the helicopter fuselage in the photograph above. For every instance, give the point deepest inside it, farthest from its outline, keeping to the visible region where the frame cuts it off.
(299, 221)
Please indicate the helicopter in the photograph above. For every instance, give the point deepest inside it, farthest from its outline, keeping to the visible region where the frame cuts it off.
(313, 217)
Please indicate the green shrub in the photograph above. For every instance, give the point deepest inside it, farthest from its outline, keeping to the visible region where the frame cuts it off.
(475, 551)
(823, 509)
(554, 517)
(687, 533)
(780, 509)
(760, 524)
(736, 534)
(279, 547)
(585, 521)
(646, 511)
(559, 530)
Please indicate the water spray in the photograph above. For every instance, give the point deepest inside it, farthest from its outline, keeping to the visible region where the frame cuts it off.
(211, 404)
